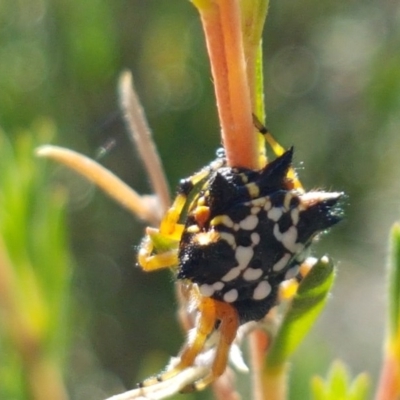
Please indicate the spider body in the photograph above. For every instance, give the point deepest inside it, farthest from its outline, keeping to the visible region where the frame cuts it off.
(248, 231)
(232, 236)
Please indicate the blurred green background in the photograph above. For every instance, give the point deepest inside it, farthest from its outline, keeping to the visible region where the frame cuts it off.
(332, 76)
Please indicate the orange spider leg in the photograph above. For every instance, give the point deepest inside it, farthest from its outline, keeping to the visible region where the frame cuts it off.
(204, 327)
(228, 329)
(210, 312)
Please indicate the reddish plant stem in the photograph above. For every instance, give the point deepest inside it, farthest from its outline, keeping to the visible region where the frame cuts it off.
(258, 344)
(389, 381)
(222, 27)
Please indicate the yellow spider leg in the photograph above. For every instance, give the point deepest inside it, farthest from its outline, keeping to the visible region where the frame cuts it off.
(157, 261)
(288, 289)
(151, 255)
(170, 221)
(277, 149)
(169, 232)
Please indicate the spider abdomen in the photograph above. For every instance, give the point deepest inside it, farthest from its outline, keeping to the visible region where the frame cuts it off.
(246, 232)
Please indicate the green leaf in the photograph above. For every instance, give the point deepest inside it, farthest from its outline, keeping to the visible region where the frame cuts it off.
(338, 385)
(254, 14)
(35, 271)
(302, 313)
(394, 280)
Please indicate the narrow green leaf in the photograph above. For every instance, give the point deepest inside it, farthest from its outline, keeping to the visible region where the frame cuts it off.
(359, 389)
(318, 388)
(339, 380)
(36, 297)
(394, 280)
(254, 14)
(304, 309)
(338, 385)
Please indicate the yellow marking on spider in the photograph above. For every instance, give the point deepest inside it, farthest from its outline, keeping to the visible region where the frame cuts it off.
(253, 189)
(205, 238)
(201, 201)
(193, 229)
(222, 220)
(288, 289)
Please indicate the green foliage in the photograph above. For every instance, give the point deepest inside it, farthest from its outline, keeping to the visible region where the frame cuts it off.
(35, 265)
(302, 313)
(339, 386)
(62, 59)
(394, 281)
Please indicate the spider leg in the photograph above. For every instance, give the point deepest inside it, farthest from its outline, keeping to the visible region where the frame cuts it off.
(277, 149)
(228, 330)
(210, 312)
(153, 262)
(288, 288)
(159, 249)
(204, 327)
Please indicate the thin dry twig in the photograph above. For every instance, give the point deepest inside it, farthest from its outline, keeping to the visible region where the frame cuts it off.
(142, 138)
(165, 389)
(106, 180)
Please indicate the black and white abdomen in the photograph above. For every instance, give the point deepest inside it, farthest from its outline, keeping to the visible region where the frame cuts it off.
(242, 255)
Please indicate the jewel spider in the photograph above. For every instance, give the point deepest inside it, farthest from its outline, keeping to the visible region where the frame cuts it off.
(232, 236)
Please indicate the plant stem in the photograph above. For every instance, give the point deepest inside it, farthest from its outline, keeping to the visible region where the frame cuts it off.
(258, 344)
(275, 382)
(221, 22)
(389, 381)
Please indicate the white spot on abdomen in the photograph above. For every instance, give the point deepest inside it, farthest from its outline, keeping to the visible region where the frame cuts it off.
(229, 238)
(295, 216)
(252, 274)
(218, 285)
(292, 272)
(255, 238)
(232, 274)
(262, 290)
(243, 256)
(278, 266)
(231, 296)
(289, 239)
(206, 290)
(274, 213)
(249, 223)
